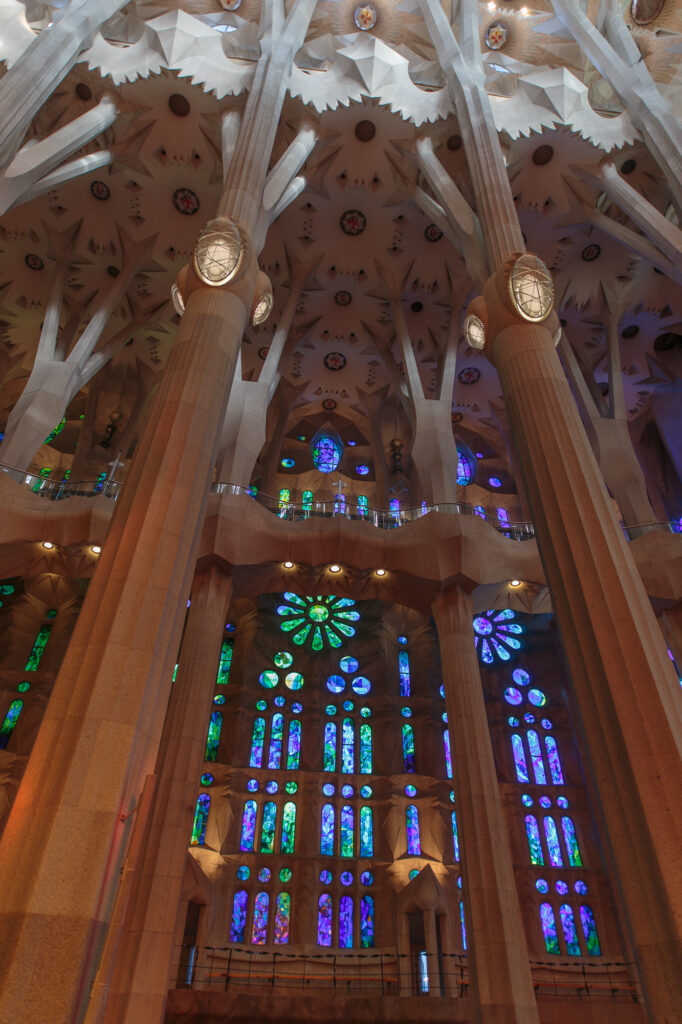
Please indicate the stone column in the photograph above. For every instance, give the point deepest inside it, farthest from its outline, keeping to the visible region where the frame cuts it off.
(499, 974)
(627, 692)
(132, 982)
(431, 942)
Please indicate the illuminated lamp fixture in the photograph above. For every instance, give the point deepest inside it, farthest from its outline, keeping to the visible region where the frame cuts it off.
(515, 583)
(474, 332)
(334, 567)
(96, 549)
(220, 253)
(177, 299)
(264, 301)
(288, 565)
(380, 572)
(48, 544)
(531, 288)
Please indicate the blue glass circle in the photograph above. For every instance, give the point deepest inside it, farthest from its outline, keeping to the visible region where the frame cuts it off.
(280, 702)
(346, 878)
(537, 698)
(366, 877)
(561, 888)
(326, 453)
(406, 712)
(444, 716)
(365, 712)
(520, 677)
(366, 792)
(529, 718)
(546, 724)
(264, 875)
(361, 685)
(410, 790)
(413, 873)
(336, 684)
(288, 463)
(328, 789)
(219, 698)
(348, 705)
(346, 791)
(261, 705)
(402, 640)
(271, 786)
(541, 885)
(325, 876)
(243, 872)
(512, 695)
(513, 721)
(253, 785)
(580, 888)
(348, 664)
(297, 708)
(545, 802)
(330, 709)
(527, 800)
(362, 470)
(494, 481)
(562, 802)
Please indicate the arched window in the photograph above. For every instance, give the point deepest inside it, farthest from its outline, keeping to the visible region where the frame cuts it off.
(463, 925)
(362, 505)
(9, 722)
(366, 832)
(200, 820)
(408, 748)
(348, 746)
(239, 907)
(346, 922)
(571, 840)
(555, 858)
(479, 511)
(248, 827)
(284, 499)
(324, 920)
(570, 934)
(330, 747)
(276, 733)
(413, 840)
(307, 501)
(288, 827)
(282, 918)
(536, 757)
(327, 831)
(347, 830)
(549, 929)
(519, 758)
(40, 645)
(294, 747)
(267, 834)
(225, 662)
(257, 738)
(590, 932)
(340, 504)
(404, 671)
(365, 749)
(259, 931)
(367, 922)
(448, 754)
(554, 762)
(213, 738)
(534, 844)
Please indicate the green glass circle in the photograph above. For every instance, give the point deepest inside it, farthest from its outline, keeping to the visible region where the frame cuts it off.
(52, 614)
(261, 705)
(283, 659)
(318, 613)
(206, 779)
(268, 679)
(294, 681)
(285, 875)
(291, 787)
(23, 687)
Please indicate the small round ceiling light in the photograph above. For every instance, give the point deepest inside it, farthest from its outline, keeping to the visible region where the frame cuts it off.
(48, 544)
(335, 567)
(515, 583)
(96, 549)
(288, 565)
(177, 299)
(531, 288)
(474, 332)
(381, 572)
(262, 306)
(219, 254)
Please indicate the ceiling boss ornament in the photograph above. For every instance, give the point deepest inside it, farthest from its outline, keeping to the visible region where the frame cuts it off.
(365, 17)
(220, 253)
(531, 288)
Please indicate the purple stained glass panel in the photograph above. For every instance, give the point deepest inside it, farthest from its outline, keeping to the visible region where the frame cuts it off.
(294, 746)
(346, 922)
(248, 826)
(259, 931)
(404, 670)
(570, 934)
(413, 840)
(327, 831)
(571, 840)
(555, 858)
(275, 755)
(536, 757)
(554, 762)
(448, 753)
(282, 918)
(324, 920)
(348, 746)
(367, 922)
(519, 758)
(239, 905)
(549, 929)
(257, 743)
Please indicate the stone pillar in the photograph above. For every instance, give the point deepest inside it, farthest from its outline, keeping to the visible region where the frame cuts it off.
(431, 942)
(499, 974)
(626, 690)
(133, 979)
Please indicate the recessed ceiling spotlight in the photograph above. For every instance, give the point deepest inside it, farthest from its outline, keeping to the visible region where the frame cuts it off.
(48, 544)
(381, 572)
(96, 549)
(334, 567)
(515, 583)
(288, 565)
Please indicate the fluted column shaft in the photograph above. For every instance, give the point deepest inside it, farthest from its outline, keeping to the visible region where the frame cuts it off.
(499, 972)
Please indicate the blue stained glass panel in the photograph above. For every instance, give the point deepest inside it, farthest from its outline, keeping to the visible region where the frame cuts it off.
(455, 836)
(367, 922)
(288, 827)
(9, 722)
(571, 841)
(534, 844)
(366, 832)
(554, 762)
(239, 905)
(276, 732)
(536, 757)
(413, 840)
(282, 918)
(330, 747)
(570, 934)
(267, 834)
(346, 922)
(549, 929)
(348, 746)
(327, 831)
(365, 749)
(200, 820)
(213, 738)
(463, 925)
(257, 738)
(324, 920)
(259, 931)
(590, 931)
(555, 858)
(347, 830)
(519, 758)
(404, 670)
(294, 746)
(448, 753)
(248, 826)
(326, 453)
(408, 748)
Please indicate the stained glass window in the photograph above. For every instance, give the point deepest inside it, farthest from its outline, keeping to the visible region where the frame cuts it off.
(327, 831)
(248, 826)
(367, 922)
(408, 748)
(362, 505)
(404, 670)
(326, 452)
(366, 832)
(554, 762)
(213, 738)
(284, 499)
(347, 829)
(276, 732)
(549, 929)
(413, 841)
(39, 647)
(324, 920)
(555, 858)
(463, 925)
(239, 905)
(282, 918)
(464, 468)
(492, 635)
(294, 746)
(325, 620)
(200, 820)
(448, 754)
(257, 743)
(307, 501)
(346, 922)
(455, 836)
(288, 827)
(570, 934)
(225, 662)
(259, 931)
(571, 841)
(536, 757)
(519, 758)
(590, 931)
(365, 749)
(330, 747)
(9, 722)
(267, 834)
(534, 844)
(348, 746)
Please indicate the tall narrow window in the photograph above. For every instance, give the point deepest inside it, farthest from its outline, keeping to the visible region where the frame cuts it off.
(39, 647)
(503, 518)
(213, 738)
(294, 746)
(519, 758)
(366, 749)
(267, 834)
(9, 722)
(448, 753)
(366, 832)
(534, 844)
(571, 840)
(238, 926)
(257, 738)
(413, 841)
(362, 505)
(276, 732)
(225, 663)
(455, 836)
(590, 931)
(324, 920)
(570, 934)
(259, 931)
(404, 670)
(554, 762)
(248, 827)
(346, 922)
(284, 498)
(347, 830)
(282, 918)
(394, 505)
(348, 746)
(340, 504)
(288, 827)
(307, 501)
(408, 748)
(200, 820)
(463, 925)
(555, 858)
(330, 747)
(367, 922)
(536, 757)
(549, 929)
(327, 831)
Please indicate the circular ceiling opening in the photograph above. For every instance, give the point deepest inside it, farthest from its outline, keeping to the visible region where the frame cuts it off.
(83, 91)
(365, 131)
(628, 166)
(542, 155)
(178, 104)
(454, 142)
